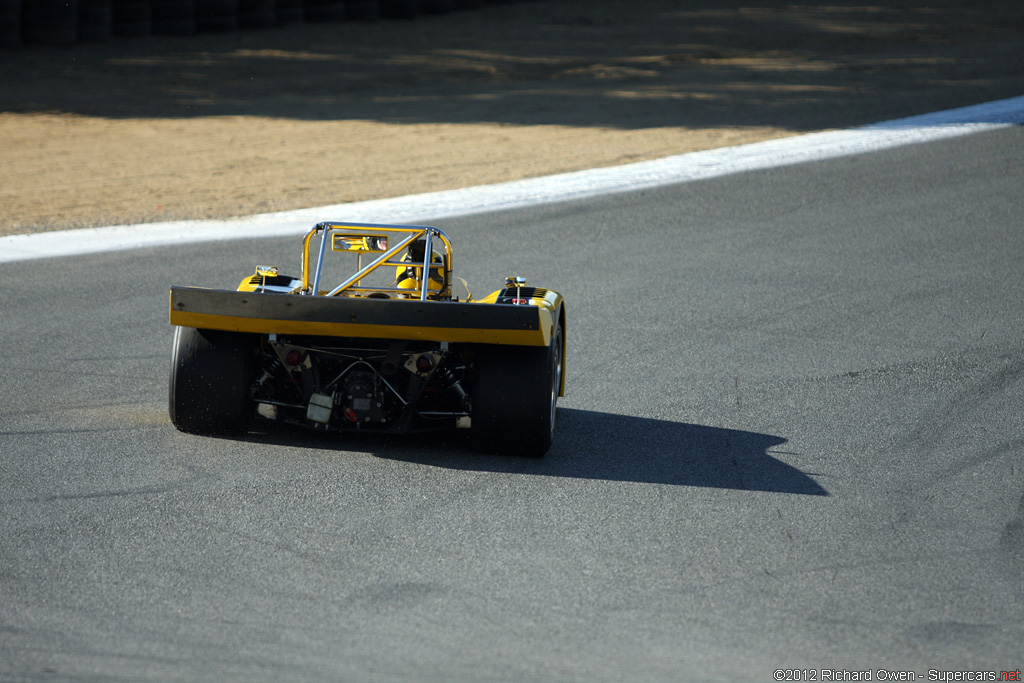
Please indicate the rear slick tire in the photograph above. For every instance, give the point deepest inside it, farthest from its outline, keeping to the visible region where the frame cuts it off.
(515, 397)
(211, 374)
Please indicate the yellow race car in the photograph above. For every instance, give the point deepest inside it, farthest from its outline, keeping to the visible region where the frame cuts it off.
(386, 350)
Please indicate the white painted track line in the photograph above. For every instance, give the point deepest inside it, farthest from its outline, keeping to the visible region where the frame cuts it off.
(522, 193)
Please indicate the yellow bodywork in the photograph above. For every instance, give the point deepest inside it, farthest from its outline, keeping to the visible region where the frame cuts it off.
(258, 313)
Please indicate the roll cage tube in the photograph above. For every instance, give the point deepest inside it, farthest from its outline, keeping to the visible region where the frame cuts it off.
(407, 235)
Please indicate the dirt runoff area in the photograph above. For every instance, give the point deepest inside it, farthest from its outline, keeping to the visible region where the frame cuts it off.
(218, 125)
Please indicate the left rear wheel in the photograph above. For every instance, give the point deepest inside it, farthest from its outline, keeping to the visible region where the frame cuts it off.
(211, 374)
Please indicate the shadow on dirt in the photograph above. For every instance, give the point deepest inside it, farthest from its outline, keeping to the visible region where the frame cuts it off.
(698, 64)
(594, 445)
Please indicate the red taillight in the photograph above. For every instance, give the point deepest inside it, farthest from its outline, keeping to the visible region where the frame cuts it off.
(293, 357)
(425, 363)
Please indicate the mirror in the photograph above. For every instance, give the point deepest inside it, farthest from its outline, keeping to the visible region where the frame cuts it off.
(362, 244)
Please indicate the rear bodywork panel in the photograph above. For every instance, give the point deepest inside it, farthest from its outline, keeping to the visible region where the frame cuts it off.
(441, 321)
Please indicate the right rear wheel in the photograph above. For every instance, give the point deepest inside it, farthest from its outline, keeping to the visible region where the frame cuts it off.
(515, 397)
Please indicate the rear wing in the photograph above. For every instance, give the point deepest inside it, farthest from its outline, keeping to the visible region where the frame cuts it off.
(334, 316)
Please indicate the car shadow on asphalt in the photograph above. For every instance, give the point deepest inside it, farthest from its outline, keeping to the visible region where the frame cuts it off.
(603, 446)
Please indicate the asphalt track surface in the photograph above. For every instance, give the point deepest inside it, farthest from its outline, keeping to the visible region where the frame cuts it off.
(792, 439)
